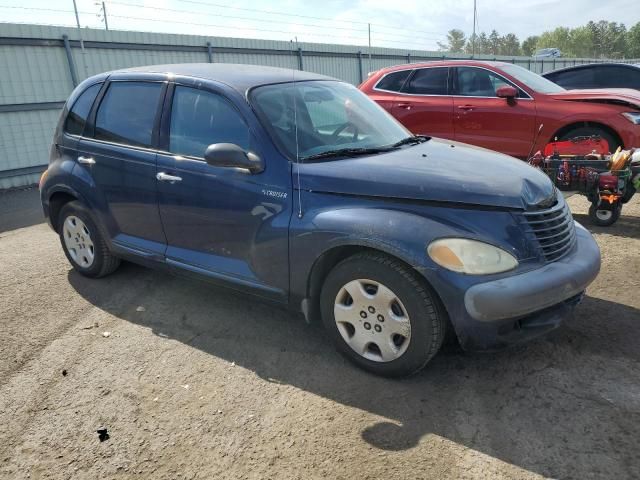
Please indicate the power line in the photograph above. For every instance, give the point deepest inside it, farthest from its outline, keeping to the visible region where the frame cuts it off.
(232, 16)
(128, 17)
(273, 12)
(394, 35)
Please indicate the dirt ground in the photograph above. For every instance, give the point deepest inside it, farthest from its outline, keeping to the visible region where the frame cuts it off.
(199, 382)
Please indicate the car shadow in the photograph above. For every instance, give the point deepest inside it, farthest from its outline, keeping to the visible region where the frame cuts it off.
(545, 407)
(20, 208)
(625, 226)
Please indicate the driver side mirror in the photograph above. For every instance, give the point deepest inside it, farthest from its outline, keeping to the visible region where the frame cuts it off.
(507, 91)
(231, 155)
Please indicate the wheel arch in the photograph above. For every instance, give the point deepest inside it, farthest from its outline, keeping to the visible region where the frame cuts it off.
(57, 200)
(586, 124)
(331, 257)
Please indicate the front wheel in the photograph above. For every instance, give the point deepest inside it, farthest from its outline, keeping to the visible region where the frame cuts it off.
(605, 214)
(612, 141)
(82, 242)
(382, 315)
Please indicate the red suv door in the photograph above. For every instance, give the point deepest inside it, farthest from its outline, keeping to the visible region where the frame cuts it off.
(483, 119)
(424, 105)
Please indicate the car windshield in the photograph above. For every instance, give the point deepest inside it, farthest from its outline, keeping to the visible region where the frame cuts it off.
(329, 118)
(532, 80)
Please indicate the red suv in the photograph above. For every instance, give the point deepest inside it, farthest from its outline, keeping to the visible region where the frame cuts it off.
(501, 106)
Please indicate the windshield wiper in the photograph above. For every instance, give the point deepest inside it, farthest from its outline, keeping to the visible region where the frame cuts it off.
(413, 140)
(346, 152)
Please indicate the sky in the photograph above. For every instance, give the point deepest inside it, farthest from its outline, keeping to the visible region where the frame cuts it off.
(397, 24)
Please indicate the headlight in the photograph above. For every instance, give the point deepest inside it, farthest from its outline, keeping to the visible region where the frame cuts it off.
(633, 117)
(470, 256)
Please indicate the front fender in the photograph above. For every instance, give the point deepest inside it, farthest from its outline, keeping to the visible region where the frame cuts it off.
(322, 233)
(396, 228)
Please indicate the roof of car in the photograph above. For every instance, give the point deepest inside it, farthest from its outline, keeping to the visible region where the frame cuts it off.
(445, 63)
(594, 65)
(240, 77)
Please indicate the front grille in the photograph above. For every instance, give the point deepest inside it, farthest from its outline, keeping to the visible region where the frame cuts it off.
(554, 229)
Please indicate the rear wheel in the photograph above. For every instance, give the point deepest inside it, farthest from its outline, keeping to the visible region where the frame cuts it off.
(82, 242)
(605, 214)
(613, 142)
(382, 315)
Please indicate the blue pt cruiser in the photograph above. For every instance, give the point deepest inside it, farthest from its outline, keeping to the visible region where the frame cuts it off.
(297, 188)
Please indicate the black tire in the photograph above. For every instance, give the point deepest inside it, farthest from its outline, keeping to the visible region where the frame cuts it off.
(613, 142)
(103, 262)
(426, 316)
(612, 215)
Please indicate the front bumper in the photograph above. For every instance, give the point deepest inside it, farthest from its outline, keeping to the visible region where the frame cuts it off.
(529, 292)
(513, 309)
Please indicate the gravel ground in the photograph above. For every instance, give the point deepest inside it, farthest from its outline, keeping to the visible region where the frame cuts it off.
(198, 382)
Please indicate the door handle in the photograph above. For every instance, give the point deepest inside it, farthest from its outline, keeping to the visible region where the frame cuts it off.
(86, 160)
(406, 106)
(165, 177)
(466, 107)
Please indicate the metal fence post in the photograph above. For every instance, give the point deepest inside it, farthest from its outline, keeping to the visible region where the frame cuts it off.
(300, 66)
(360, 66)
(554, 64)
(408, 58)
(209, 52)
(72, 65)
(529, 64)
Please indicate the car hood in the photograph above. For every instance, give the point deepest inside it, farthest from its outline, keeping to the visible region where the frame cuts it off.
(435, 171)
(621, 96)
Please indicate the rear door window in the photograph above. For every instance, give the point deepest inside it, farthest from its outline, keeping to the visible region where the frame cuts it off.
(77, 118)
(394, 81)
(428, 81)
(200, 118)
(127, 113)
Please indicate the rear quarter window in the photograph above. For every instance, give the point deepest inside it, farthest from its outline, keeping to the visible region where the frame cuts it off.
(394, 81)
(77, 117)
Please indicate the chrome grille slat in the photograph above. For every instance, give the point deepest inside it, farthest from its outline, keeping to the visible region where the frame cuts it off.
(554, 230)
(558, 206)
(564, 221)
(565, 229)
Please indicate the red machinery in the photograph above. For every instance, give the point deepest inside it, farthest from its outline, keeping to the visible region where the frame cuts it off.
(583, 166)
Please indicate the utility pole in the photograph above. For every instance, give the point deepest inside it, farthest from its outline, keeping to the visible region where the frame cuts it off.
(104, 14)
(473, 42)
(370, 69)
(84, 62)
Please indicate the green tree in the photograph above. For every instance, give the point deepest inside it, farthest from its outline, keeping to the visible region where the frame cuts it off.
(609, 38)
(455, 42)
(581, 42)
(510, 45)
(482, 44)
(633, 41)
(468, 47)
(558, 38)
(495, 42)
(529, 45)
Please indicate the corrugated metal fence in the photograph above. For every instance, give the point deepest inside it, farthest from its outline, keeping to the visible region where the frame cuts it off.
(40, 65)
